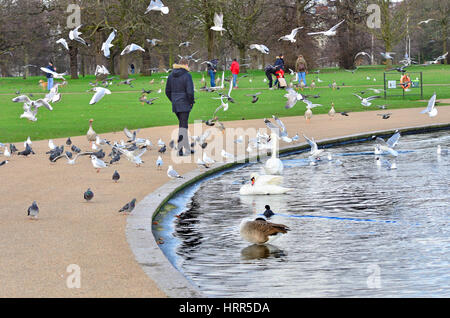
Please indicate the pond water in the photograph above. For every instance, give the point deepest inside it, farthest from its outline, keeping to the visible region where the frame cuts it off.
(357, 229)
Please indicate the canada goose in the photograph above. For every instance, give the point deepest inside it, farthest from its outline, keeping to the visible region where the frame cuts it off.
(260, 231)
(308, 114)
(91, 134)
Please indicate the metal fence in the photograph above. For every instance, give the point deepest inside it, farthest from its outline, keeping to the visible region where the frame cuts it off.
(392, 84)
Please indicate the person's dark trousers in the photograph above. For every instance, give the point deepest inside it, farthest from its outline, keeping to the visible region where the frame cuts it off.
(183, 138)
(269, 77)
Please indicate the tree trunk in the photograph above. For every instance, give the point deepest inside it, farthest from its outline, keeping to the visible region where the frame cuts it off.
(123, 66)
(242, 51)
(26, 72)
(73, 54)
(146, 63)
(444, 41)
(210, 42)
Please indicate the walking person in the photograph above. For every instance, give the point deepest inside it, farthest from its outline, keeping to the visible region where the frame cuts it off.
(212, 69)
(301, 68)
(235, 72)
(50, 76)
(180, 91)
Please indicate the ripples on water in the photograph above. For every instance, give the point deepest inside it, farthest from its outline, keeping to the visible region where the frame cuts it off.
(398, 248)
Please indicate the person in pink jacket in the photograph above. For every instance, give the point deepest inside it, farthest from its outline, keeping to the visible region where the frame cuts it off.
(235, 71)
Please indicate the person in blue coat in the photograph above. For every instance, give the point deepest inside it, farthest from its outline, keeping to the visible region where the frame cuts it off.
(180, 91)
(50, 76)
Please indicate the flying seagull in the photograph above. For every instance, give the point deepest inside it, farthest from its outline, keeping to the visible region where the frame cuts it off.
(157, 5)
(330, 32)
(107, 44)
(55, 75)
(292, 98)
(260, 47)
(425, 21)
(100, 93)
(63, 42)
(218, 23)
(131, 48)
(74, 35)
(291, 37)
(366, 101)
(387, 55)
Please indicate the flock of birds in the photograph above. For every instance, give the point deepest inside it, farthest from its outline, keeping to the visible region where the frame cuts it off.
(258, 231)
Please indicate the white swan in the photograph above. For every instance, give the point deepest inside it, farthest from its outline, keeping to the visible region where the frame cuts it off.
(263, 189)
(274, 165)
(266, 179)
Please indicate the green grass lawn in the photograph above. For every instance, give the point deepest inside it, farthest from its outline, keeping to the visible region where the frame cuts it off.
(123, 109)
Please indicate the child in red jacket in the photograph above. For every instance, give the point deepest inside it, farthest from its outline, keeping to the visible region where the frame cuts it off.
(280, 74)
(235, 71)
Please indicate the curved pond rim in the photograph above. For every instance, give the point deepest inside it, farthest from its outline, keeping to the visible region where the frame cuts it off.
(139, 224)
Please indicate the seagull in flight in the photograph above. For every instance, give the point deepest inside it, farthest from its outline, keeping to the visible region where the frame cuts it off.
(218, 23)
(315, 151)
(100, 93)
(107, 44)
(55, 75)
(63, 42)
(74, 35)
(362, 54)
(131, 48)
(330, 32)
(425, 21)
(291, 37)
(153, 42)
(157, 5)
(390, 144)
(292, 98)
(366, 101)
(431, 110)
(260, 47)
(387, 55)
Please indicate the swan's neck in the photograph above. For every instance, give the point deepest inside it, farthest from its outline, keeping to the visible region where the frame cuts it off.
(274, 139)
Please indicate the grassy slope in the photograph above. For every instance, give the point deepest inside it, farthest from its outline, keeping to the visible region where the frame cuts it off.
(122, 109)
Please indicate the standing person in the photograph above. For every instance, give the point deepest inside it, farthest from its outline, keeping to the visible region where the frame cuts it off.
(279, 64)
(270, 70)
(180, 91)
(301, 68)
(50, 76)
(132, 68)
(235, 71)
(212, 69)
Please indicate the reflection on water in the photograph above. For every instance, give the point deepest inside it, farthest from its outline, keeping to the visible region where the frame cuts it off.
(351, 225)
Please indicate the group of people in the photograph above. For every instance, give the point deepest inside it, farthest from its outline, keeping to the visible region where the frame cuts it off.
(278, 69)
(212, 70)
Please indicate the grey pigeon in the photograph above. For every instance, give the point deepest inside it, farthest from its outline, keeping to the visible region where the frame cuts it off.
(88, 195)
(28, 150)
(12, 148)
(68, 142)
(129, 207)
(116, 176)
(33, 210)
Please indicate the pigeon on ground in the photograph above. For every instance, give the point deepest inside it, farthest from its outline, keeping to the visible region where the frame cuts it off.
(88, 195)
(116, 176)
(33, 210)
(129, 207)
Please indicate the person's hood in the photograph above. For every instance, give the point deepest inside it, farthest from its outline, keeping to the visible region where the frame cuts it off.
(179, 70)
